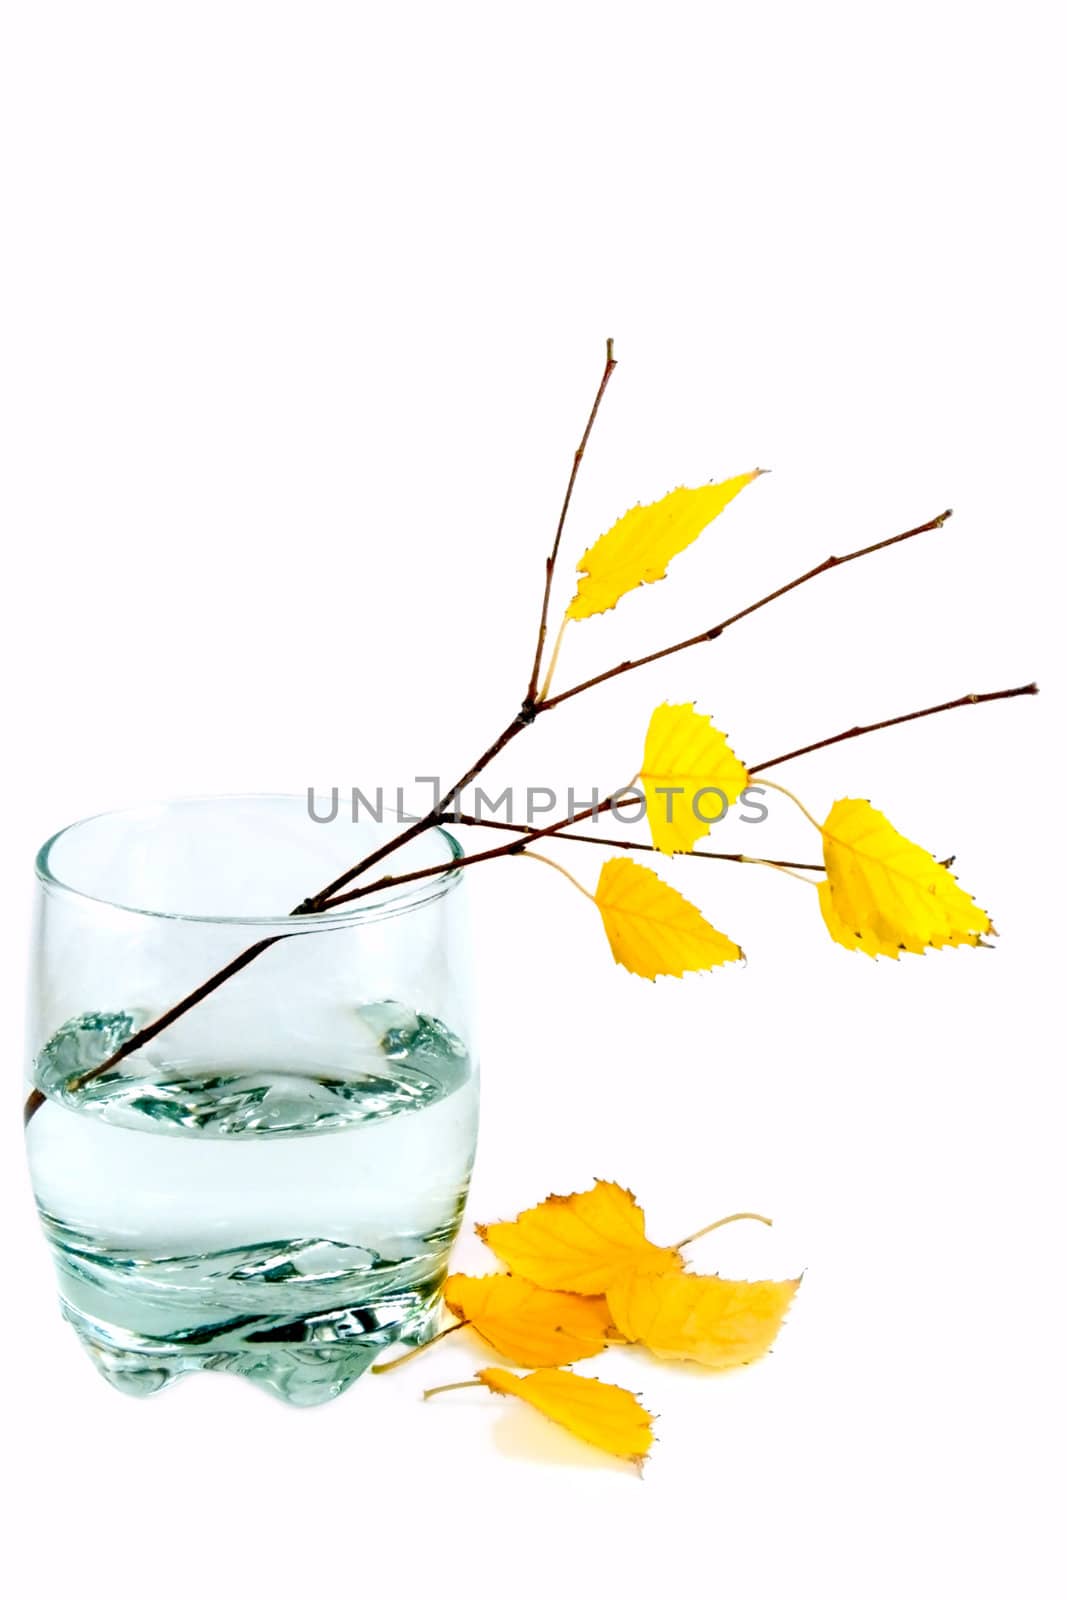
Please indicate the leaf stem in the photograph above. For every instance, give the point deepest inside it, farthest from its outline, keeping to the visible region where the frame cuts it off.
(787, 872)
(443, 1388)
(768, 783)
(550, 565)
(554, 661)
(416, 1350)
(535, 855)
(735, 1216)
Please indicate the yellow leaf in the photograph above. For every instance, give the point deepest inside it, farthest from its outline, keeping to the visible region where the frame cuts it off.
(685, 1317)
(637, 549)
(882, 894)
(652, 929)
(604, 1415)
(532, 1327)
(690, 776)
(578, 1242)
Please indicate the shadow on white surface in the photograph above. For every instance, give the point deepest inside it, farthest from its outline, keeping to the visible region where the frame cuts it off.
(521, 1434)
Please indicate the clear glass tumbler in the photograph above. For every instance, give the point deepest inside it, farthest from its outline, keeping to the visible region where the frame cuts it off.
(271, 1184)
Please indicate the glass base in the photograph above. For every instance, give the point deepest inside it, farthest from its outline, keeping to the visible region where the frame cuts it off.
(305, 1363)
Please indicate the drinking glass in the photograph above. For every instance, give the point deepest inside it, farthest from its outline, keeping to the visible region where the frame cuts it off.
(271, 1184)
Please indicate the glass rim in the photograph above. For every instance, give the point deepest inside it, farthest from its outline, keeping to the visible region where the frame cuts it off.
(385, 903)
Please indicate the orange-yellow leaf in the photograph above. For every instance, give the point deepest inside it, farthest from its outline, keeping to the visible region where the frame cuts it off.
(531, 1326)
(652, 929)
(683, 1316)
(883, 894)
(689, 774)
(640, 545)
(578, 1242)
(604, 1415)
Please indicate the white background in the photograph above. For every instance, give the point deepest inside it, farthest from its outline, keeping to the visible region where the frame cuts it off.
(303, 308)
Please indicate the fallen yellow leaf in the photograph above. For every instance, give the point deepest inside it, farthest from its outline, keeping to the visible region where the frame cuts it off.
(602, 1414)
(689, 774)
(683, 1316)
(640, 545)
(883, 894)
(653, 930)
(531, 1326)
(578, 1242)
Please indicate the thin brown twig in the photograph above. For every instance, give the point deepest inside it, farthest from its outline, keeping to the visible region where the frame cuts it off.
(146, 1034)
(713, 633)
(439, 813)
(514, 848)
(527, 710)
(612, 843)
(892, 722)
(550, 565)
